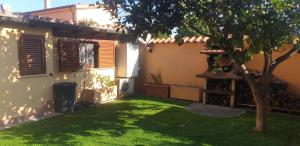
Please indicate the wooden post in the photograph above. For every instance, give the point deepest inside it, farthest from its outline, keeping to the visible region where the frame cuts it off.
(204, 99)
(232, 95)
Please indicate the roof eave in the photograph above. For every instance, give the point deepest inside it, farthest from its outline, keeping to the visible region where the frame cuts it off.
(70, 30)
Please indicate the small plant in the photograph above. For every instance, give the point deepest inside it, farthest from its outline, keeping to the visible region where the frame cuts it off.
(88, 22)
(221, 63)
(156, 78)
(217, 69)
(223, 60)
(104, 81)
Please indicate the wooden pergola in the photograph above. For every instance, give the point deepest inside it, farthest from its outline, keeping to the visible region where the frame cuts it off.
(62, 28)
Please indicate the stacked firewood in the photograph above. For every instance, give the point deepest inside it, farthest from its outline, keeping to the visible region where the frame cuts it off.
(243, 93)
(218, 99)
(279, 98)
(219, 86)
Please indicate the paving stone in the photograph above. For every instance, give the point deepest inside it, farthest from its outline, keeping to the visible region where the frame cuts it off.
(215, 111)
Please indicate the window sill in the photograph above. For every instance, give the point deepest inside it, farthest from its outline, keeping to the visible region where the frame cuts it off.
(103, 68)
(33, 76)
(90, 69)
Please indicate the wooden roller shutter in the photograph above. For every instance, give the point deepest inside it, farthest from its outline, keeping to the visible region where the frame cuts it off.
(68, 55)
(32, 59)
(96, 55)
(107, 54)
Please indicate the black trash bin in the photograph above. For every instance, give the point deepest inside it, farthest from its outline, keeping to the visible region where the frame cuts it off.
(64, 96)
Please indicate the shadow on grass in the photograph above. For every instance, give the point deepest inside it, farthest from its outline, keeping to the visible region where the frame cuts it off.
(144, 121)
(98, 123)
(201, 130)
(63, 129)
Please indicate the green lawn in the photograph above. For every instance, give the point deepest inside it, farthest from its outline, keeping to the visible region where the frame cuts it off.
(152, 121)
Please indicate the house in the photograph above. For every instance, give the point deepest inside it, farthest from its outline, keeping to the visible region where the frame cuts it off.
(85, 14)
(119, 62)
(37, 52)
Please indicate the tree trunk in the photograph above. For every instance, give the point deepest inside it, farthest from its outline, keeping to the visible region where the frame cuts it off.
(258, 95)
(260, 108)
(261, 91)
(260, 113)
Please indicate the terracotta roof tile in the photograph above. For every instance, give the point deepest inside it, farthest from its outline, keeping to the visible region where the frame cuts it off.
(193, 39)
(205, 39)
(199, 38)
(172, 40)
(156, 40)
(167, 40)
(161, 40)
(185, 39)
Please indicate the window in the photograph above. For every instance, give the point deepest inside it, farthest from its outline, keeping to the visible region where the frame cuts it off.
(75, 55)
(32, 59)
(88, 55)
(68, 55)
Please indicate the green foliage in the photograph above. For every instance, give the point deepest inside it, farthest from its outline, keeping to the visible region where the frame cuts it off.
(152, 122)
(261, 25)
(156, 78)
(198, 25)
(105, 81)
(88, 22)
(217, 68)
(162, 35)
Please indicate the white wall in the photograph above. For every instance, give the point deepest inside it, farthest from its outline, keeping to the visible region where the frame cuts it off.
(127, 60)
(132, 60)
(99, 15)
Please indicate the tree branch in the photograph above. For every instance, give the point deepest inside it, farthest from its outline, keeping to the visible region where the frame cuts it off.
(284, 57)
(197, 30)
(266, 63)
(266, 75)
(248, 77)
(203, 33)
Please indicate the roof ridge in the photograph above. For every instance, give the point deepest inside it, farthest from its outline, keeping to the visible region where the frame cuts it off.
(39, 18)
(59, 7)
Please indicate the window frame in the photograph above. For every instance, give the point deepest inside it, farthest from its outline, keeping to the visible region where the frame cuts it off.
(22, 68)
(96, 53)
(61, 46)
(63, 68)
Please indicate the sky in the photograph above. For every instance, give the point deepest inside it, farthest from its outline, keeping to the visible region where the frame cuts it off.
(31, 5)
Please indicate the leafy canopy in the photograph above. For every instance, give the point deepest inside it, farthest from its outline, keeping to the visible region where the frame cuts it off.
(252, 25)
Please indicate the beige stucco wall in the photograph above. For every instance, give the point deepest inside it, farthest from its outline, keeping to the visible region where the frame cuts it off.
(186, 93)
(178, 65)
(288, 71)
(25, 96)
(19, 95)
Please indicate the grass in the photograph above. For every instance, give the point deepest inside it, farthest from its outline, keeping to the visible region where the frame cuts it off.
(152, 121)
